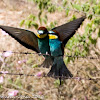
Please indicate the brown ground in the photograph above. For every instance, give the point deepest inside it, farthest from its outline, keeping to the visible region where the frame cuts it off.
(71, 89)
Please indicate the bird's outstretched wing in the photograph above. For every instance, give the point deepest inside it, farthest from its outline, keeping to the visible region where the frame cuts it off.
(66, 31)
(24, 37)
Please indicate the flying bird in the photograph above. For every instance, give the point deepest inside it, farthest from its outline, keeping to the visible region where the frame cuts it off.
(51, 43)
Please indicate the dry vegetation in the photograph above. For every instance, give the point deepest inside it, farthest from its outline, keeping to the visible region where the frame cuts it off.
(73, 89)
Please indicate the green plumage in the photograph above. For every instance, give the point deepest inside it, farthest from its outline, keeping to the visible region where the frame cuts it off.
(53, 46)
(43, 44)
(59, 68)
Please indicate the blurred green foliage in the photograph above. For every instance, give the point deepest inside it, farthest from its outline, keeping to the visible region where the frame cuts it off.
(18, 82)
(90, 7)
(57, 83)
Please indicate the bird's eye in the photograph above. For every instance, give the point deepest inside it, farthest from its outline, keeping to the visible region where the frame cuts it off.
(40, 31)
(51, 32)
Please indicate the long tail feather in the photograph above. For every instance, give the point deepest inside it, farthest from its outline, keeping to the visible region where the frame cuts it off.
(47, 62)
(59, 69)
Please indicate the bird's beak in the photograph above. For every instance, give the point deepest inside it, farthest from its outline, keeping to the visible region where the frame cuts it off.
(41, 36)
(51, 36)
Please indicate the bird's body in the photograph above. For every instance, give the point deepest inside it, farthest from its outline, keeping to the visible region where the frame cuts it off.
(53, 45)
(50, 46)
(58, 68)
(43, 44)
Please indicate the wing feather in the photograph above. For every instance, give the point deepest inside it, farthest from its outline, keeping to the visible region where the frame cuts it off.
(66, 31)
(24, 37)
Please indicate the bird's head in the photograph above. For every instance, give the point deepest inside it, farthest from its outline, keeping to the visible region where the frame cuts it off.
(53, 34)
(42, 32)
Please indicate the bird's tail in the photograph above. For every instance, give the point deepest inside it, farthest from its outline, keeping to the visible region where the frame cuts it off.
(59, 69)
(47, 62)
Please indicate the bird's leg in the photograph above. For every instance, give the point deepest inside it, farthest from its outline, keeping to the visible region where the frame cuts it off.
(40, 54)
(46, 53)
(60, 80)
(60, 77)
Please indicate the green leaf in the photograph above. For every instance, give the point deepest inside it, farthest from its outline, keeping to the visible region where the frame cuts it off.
(93, 1)
(1, 87)
(86, 7)
(99, 33)
(45, 21)
(35, 25)
(51, 9)
(84, 53)
(52, 25)
(67, 12)
(22, 22)
(77, 6)
(40, 5)
(96, 21)
(93, 41)
(60, 9)
(90, 16)
(96, 9)
(73, 18)
(29, 61)
(39, 16)
(64, 3)
(57, 82)
(28, 23)
(35, 66)
(46, 17)
(32, 17)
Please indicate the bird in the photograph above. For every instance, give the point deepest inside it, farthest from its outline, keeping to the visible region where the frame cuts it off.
(49, 43)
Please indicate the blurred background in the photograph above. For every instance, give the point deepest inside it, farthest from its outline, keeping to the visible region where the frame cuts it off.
(30, 14)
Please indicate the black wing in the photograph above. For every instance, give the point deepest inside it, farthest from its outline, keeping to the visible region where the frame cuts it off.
(66, 31)
(24, 37)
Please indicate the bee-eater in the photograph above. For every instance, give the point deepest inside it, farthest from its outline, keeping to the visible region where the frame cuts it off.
(48, 42)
